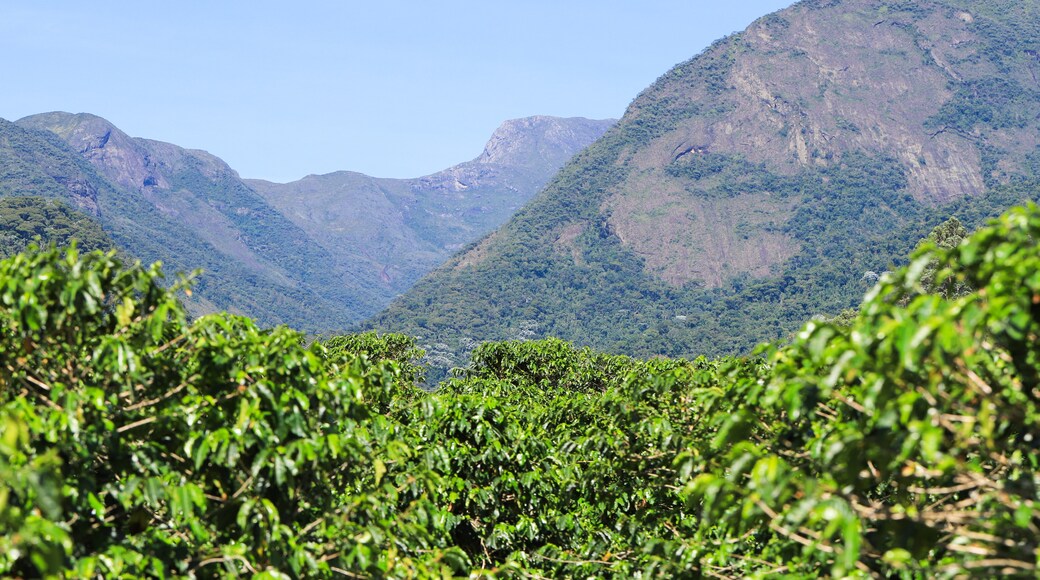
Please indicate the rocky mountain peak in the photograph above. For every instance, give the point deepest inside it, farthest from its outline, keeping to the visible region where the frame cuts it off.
(118, 156)
(82, 131)
(539, 144)
(140, 164)
(552, 140)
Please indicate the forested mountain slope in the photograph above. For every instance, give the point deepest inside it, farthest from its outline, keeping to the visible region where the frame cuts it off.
(392, 231)
(760, 183)
(25, 221)
(162, 203)
(319, 254)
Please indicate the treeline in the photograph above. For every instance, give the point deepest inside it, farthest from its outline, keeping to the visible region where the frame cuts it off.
(902, 443)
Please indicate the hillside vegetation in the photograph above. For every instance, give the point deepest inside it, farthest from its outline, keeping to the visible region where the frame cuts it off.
(757, 184)
(135, 443)
(320, 254)
(41, 221)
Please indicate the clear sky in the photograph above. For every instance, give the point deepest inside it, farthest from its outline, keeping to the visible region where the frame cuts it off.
(395, 88)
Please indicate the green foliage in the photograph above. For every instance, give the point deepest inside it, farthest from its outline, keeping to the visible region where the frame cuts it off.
(546, 366)
(900, 442)
(946, 236)
(718, 175)
(138, 445)
(995, 103)
(398, 348)
(28, 220)
(904, 444)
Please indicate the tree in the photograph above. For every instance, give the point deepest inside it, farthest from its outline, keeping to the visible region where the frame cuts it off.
(946, 236)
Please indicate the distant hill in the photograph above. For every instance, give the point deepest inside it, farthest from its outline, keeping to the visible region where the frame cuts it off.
(757, 184)
(392, 231)
(187, 209)
(320, 254)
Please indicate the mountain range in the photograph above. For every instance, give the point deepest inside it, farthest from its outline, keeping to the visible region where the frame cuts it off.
(759, 184)
(765, 181)
(319, 254)
(396, 230)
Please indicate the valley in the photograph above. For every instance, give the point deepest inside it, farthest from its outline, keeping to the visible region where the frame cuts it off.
(781, 319)
(320, 254)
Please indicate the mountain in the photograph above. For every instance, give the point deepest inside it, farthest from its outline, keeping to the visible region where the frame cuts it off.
(392, 231)
(759, 184)
(186, 208)
(320, 254)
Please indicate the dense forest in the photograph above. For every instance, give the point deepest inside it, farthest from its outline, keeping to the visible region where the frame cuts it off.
(900, 441)
(34, 220)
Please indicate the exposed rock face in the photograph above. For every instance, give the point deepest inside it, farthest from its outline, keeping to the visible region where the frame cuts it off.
(122, 159)
(541, 141)
(759, 179)
(539, 145)
(814, 82)
(684, 239)
(81, 193)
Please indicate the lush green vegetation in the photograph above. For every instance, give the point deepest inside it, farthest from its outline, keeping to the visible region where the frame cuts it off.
(852, 218)
(38, 163)
(37, 220)
(901, 444)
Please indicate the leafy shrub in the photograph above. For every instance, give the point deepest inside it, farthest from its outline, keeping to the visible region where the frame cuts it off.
(899, 442)
(137, 444)
(903, 445)
(399, 348)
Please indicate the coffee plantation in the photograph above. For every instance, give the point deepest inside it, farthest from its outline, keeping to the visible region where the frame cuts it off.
(900, 443)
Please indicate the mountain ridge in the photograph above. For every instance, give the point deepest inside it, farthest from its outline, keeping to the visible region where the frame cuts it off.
(423, 220)
(750, 187)
(190, 209)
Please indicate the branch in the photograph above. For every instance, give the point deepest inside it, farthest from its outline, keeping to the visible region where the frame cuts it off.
(346, 573)
(135, 424)
(620, 555)
(159, 399)
(226, 559)
(788, 533)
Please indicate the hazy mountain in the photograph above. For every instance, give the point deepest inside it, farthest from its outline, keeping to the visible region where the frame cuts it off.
(319, 254)
(755, 185)
(160, 202)
(392, 231)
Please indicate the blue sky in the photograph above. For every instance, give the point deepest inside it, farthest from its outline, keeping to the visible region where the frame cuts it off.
(393, 88)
